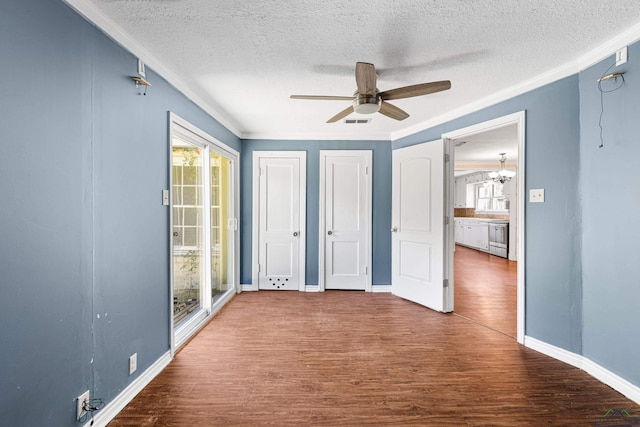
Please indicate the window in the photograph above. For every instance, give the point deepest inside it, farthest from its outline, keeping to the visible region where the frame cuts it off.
(490, 196)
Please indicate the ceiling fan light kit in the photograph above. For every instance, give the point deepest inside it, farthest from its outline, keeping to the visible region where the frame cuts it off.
(368, 99)
(366, 104)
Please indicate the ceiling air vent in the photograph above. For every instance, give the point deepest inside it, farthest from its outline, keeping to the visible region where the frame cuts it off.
(357, 121)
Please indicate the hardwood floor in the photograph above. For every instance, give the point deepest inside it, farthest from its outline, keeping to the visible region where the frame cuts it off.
(485, 289)
(352, 359)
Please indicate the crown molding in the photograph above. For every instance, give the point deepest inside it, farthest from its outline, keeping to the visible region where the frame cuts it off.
(95, 16)
(290, 136)
(106, 25)
(609, 47)
(573, 67)
(511, 92)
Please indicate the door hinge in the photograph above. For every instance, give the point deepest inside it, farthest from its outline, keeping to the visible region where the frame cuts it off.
(366, 270)
(446, 158)
(445, 283)
(446, 220)
(259, 268)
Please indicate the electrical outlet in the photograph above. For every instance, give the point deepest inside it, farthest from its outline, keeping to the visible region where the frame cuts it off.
(83, 400)
(133, 363)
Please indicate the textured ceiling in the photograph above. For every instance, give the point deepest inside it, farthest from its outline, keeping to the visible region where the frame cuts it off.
(245, 58)
(485, 147)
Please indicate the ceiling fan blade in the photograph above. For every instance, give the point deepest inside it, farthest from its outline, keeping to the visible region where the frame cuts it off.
(323, 98)
(415, 90)
(366, 78)
(341, 115)
(392, 111)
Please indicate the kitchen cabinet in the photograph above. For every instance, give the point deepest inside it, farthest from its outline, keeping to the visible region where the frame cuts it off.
(460, 193)
(464, 191)
(459, 231)
(477, 235)
(472, 232)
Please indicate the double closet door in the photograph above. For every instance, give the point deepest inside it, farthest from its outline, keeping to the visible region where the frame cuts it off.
(344, 213)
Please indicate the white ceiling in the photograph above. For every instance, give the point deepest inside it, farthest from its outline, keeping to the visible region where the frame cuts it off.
(484, 148)
(243, 59)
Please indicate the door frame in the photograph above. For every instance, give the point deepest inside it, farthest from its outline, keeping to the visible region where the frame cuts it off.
(519, 119)
(207, 142)
(255, 226)
(368, 154)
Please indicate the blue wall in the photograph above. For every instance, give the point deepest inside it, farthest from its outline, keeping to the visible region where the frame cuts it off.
(553, 271)
(84, 237)
(381, 237)
(83, 234)
(610, 183)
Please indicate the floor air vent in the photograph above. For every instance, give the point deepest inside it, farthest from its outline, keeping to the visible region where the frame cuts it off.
(357, 121)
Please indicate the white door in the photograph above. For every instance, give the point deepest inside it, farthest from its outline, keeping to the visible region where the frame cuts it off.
(418, 231)
(280, 220)
(345, 218)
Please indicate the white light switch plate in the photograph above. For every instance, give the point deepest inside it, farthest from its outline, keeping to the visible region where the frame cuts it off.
(536, 195)
(133, 363)
(621, 56)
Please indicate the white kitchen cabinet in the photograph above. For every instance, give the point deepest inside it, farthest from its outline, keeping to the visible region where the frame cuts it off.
(464, 192)
(459, 231)
(460, 193)
(472, 233)
(481, 236)
(476, 235)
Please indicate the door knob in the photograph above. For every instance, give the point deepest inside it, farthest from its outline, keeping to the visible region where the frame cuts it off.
(329, 232)
(295, 234)
(394, 230)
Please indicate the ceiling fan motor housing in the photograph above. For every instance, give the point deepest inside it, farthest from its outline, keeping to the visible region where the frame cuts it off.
(366, 104)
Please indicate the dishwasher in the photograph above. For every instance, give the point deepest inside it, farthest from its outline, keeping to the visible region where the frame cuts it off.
(499, 240)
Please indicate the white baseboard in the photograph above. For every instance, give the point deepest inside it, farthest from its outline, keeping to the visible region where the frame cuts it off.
(114, 407)
(553, 351)
(312, 288)
(247, 288)
(603, 375)
(612, 380)
(381, 288)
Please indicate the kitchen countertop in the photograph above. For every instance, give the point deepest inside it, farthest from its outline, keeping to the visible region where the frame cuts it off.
(493, 221)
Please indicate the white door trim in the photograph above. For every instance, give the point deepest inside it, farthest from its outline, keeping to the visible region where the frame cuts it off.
(255, 223)
(177, 126)
(368, 154)
(519, 120)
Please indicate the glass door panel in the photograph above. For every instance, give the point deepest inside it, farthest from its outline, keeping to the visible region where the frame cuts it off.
(188, 227)
(221, 244)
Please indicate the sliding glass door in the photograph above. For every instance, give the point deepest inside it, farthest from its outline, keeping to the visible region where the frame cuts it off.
(203, 228)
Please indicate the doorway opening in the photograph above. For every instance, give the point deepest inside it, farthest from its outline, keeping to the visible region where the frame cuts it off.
(488, 213)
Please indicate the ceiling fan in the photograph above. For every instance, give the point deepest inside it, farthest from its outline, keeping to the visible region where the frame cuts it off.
(368, 99)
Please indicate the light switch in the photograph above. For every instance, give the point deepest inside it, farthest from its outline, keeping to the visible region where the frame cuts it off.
(165, 197)
(536, 195)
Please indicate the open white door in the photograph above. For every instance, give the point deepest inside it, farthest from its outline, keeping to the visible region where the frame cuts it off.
(418, 229)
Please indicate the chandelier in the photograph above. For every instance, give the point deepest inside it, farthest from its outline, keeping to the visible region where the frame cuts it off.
(503, 175)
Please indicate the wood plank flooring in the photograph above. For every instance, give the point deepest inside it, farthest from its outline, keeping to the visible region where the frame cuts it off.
(485, 289)
(352, 359)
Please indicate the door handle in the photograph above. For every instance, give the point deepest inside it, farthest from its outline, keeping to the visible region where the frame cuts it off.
(295, 234)
(394, 230)
(329, 232)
